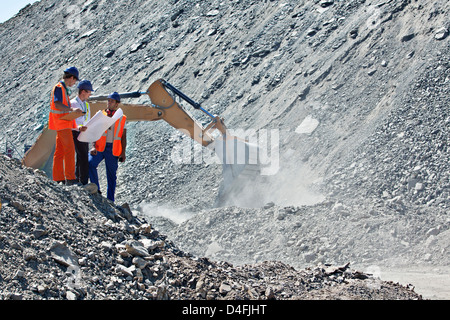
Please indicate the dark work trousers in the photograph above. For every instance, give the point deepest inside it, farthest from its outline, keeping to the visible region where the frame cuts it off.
(82, 165)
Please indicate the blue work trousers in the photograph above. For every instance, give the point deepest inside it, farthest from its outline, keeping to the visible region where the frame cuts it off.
(111, 163)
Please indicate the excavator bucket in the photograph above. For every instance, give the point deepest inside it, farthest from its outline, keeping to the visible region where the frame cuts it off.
(240, 168)
(40, 155)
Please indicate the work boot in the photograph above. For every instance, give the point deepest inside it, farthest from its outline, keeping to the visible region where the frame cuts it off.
(71, 182)
(91, 188)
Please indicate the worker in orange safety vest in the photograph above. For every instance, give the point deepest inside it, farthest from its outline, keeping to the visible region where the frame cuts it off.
(111, 147)
(64, 155)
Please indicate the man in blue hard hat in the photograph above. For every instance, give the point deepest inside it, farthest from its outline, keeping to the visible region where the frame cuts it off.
(82, 148)
(110, 147)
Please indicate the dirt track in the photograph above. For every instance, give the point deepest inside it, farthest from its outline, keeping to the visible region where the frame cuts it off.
(432, 282)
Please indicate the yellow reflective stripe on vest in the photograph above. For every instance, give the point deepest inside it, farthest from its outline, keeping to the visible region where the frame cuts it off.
(87, 112)
(58, 111)
(118, 131)
(117, 128)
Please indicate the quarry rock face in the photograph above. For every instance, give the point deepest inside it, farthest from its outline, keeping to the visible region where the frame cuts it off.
(348, 102)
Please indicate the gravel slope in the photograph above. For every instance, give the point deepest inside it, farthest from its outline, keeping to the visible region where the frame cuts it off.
(354, 94)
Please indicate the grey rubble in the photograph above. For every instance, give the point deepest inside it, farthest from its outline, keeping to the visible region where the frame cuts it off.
(60, 242)
(365, 179)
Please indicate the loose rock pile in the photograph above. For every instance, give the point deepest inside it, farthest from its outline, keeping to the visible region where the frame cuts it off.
(359, 94)
(60, 242)
(406, 158)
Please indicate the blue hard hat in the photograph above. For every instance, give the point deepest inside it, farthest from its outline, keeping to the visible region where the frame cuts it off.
(114, 96)
(85, 85)
(72, 71)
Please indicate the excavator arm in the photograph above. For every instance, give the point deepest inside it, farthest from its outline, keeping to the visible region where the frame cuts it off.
(164, 107)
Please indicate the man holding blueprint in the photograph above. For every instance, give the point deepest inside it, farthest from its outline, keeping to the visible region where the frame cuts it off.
(107, 130)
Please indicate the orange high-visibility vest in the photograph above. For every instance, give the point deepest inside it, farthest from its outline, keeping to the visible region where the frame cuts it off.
(100, 144)
(54, 121)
